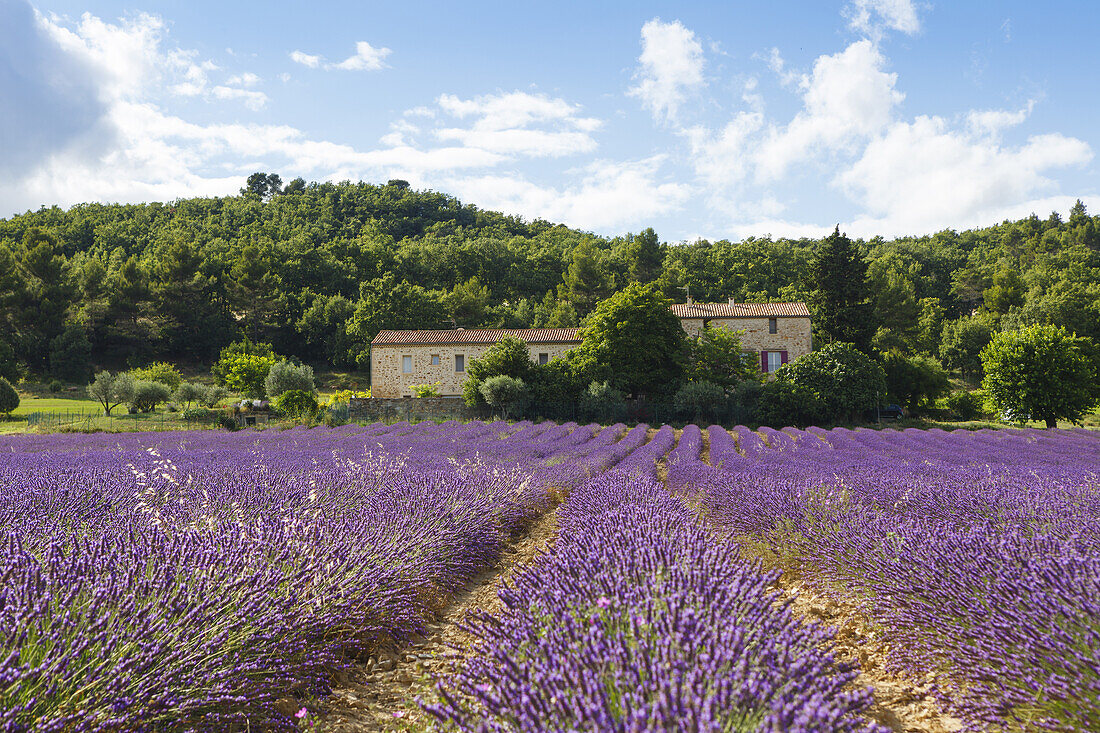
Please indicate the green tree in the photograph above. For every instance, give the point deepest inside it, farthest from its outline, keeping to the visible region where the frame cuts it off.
(715, 356)
(696, 399)
(1006, 292)
(585, 282)
(962, 343)
(9, 398)
(633, 341)
(297, 403)
(147, 395)
(914, 379)
(111, 390)
(844, 378)
(783, 404)
(246, 374)
(1041, 373)
(264, 185)
(839, 293)
(70, 354)
(386, 303)
(189, 392)
(646, 256)
(504, 393)
(159, 371)
(509, 357)
(283, 376)
(244, 347)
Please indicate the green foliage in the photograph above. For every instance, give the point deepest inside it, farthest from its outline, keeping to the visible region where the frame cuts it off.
(9, 367)
(227, 422)
(9, 398)
(198, 414)
(601, 400)
(246, 374)
(188, 392)
(1041, 373)
(962, 343)
(696, 399)
(227, 358)
(715, 356)
(211, 395)
(845, 379)
(111, 390)
(507, 394)
(840, 295)
(422, 391)
(967, 405)
(633, 341)
(343, 397)
(914, 379)
(285, 376)
(297, 403)
(744, 401)
(1006, 292)
(70, 354)
(509, 357)
(55, 386)
(161, 372)
(556, 381)
(147, 395)
(782, 404)
(388, 303)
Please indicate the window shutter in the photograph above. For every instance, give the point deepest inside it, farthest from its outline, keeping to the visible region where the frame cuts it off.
(764, 361)
(783, 357)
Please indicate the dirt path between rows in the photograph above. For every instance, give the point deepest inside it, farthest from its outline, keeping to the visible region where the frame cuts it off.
(383, 696)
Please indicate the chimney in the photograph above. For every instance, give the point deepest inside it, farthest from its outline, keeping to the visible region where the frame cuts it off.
(690, 301)
(732, 302)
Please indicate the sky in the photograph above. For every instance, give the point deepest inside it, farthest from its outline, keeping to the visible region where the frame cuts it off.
(701, 119)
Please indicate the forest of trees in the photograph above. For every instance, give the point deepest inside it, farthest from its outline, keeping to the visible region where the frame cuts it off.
(318, 269)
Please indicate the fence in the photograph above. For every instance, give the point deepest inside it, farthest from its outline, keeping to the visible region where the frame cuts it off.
(95, 419)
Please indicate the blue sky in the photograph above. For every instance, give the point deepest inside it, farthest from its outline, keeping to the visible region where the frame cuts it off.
(712, 119)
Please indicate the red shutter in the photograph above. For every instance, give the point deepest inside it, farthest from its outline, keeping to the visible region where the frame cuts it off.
(764, 361)
(783, 357)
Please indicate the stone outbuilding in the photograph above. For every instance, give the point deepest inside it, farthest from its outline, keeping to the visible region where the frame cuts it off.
(399, 359)
(778, 332)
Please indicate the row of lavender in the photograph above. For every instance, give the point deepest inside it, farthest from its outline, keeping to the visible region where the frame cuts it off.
(191, 580)
(639, 620)
(977, 554)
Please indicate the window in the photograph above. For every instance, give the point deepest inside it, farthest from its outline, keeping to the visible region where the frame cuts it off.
(773, 325)
(406, 365)
(435, 359)
(460, 362)
(775, 360)
(544, 358)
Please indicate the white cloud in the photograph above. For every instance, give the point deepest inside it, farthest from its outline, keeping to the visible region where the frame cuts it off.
(846, 99)
(252, 99)
(305, 59)
(609, 195)
(366, 58)
(922, 176)
(992, 121)
(247, 79)
(873, 17)
(671, 68)
(504, 124)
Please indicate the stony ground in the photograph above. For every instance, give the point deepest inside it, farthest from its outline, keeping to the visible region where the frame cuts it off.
(383, 694)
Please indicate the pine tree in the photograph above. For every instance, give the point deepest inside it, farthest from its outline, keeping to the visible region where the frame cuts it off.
(837, 280)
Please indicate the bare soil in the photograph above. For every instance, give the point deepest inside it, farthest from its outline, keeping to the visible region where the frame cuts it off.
(383, 694)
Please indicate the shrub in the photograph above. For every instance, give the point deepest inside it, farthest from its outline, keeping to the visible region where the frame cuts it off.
(287, 377)
(695, 399)
(507, 394)
(600, 399)
(745, 400)
(197, 414)
(228, 422)
(189, 392)
(147, 395)
(336, 414)
(783, 404)
(296, 403)
(344, 397)
(211, 395)
(965, 405)
(246, 374)
(111, 390)
(840, 375)
(914, 379)
(9, 398)
(161, 372)
(425, 390)
(56, 385)
(508, 357)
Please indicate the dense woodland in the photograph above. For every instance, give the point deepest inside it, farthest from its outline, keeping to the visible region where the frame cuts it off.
(317, 269)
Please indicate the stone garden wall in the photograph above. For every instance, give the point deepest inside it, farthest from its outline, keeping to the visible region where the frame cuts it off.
(405, 408)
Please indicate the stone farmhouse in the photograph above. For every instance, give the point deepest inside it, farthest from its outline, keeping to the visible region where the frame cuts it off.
(778, 332)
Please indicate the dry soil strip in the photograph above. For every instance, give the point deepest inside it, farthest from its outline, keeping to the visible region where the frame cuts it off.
(383, 696)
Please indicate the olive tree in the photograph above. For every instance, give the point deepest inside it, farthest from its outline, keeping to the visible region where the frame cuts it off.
(507, 394)
(111, 390)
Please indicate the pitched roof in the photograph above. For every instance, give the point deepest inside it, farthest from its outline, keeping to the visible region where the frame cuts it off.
(741, 310)
(476, 336)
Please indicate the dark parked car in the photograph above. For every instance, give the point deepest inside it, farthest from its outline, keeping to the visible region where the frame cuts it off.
(891, 412)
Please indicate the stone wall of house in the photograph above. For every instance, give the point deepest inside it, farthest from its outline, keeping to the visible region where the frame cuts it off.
(388, 381)
(793, 334)
(375, 409)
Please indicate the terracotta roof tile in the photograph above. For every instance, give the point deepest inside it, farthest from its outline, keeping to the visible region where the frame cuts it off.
(476, 336)
(741, 310)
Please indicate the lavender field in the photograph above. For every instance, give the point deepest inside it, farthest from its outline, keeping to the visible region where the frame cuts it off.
(212, 581)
